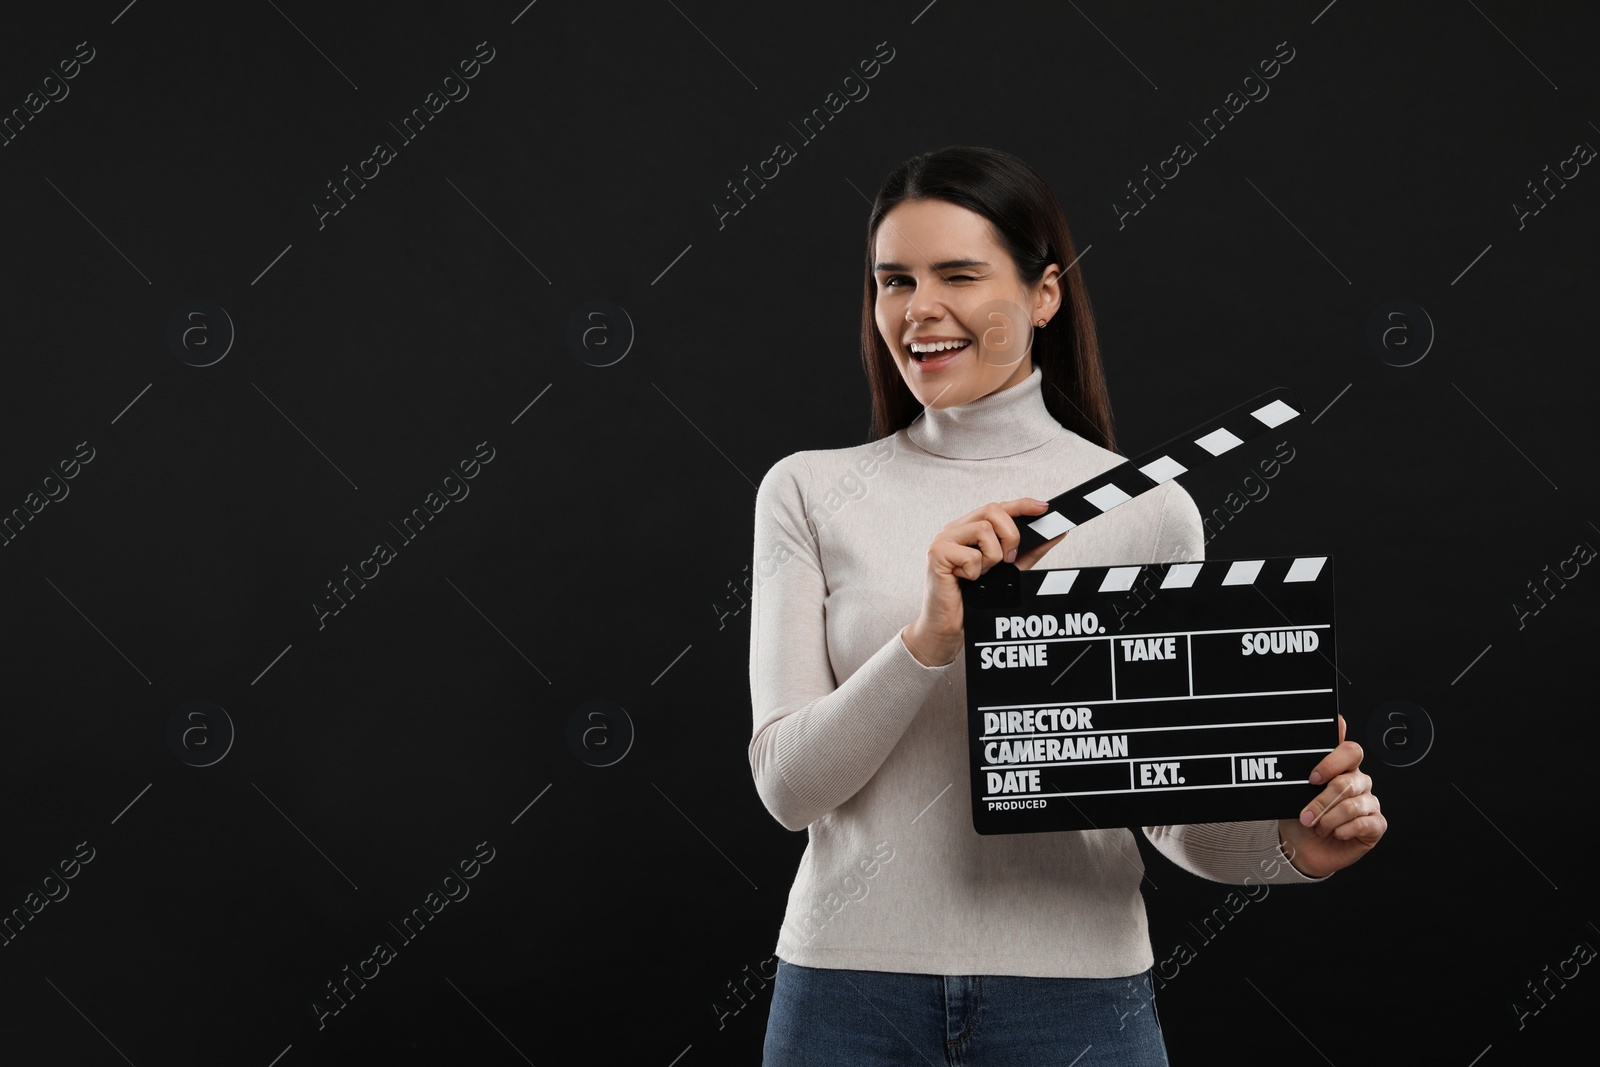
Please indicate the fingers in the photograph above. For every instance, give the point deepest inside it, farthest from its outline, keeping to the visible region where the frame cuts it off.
(1347, 809)
(1033, 507)
(992, 531)
(1366, 829)
(1347, 797)
(1347, 757)
(999, 515)
(1356, 818)
(969, 549)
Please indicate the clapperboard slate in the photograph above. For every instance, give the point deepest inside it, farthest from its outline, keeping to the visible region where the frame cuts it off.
(1212, 703)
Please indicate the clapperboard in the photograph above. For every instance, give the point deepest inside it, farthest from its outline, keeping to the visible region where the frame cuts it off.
(1212, 703)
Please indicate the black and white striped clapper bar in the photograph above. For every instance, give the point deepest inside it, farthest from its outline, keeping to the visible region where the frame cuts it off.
(1178, 456)
(1176, 692)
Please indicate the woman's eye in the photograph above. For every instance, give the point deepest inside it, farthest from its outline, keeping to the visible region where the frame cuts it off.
(889, 283)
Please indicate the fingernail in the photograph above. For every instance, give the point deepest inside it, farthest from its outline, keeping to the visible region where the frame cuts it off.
(1011, 557)
(1307, 818)
(1316, 777)
(1041, 503)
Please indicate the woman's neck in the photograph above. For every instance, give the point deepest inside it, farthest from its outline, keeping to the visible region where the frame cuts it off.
(1002, 423)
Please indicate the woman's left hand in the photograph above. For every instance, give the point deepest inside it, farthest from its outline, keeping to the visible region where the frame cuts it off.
(1342, 823)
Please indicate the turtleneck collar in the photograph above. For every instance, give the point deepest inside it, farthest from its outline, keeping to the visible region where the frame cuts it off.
(1003, 423)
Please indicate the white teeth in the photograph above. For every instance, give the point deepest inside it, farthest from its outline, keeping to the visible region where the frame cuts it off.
(918, 348)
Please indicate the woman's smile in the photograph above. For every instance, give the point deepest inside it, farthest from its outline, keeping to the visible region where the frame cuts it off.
(931, 355)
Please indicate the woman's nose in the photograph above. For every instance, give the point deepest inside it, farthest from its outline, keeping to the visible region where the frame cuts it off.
(922, 306)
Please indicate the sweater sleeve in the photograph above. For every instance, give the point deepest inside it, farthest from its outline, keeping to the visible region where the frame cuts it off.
(1234, 852)
(815, 741)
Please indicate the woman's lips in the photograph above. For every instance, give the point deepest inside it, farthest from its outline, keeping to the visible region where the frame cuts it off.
(939, 362)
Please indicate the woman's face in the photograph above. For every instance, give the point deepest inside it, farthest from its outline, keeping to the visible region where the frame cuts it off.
(943, 276)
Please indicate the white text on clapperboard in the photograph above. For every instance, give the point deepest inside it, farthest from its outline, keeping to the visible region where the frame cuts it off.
(1072, 726)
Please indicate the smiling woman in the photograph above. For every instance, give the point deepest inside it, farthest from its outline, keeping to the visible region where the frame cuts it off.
(995, 949)
(953, 326)
(940, 271)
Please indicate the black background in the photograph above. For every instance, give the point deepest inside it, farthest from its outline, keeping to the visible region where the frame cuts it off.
(597, 555)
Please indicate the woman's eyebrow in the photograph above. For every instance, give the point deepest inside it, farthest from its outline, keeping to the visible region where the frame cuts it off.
(949, 264)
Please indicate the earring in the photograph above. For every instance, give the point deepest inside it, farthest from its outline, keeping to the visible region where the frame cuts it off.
(1041, 324)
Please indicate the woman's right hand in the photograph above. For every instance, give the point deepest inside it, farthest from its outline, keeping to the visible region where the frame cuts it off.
(967, 548)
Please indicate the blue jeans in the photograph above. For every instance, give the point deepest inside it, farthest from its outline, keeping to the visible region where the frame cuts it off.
(826, 1017)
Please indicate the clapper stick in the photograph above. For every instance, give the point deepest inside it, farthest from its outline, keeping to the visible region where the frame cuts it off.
(1093, 498)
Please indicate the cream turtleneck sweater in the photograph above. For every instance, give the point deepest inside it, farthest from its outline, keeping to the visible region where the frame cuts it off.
(861, 745)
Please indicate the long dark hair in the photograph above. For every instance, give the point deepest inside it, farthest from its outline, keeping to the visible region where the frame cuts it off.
(1018, 203)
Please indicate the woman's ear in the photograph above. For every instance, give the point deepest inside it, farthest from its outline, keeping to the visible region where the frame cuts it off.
(1047, 294)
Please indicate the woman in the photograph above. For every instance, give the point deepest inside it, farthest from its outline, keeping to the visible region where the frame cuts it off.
(908, 936)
